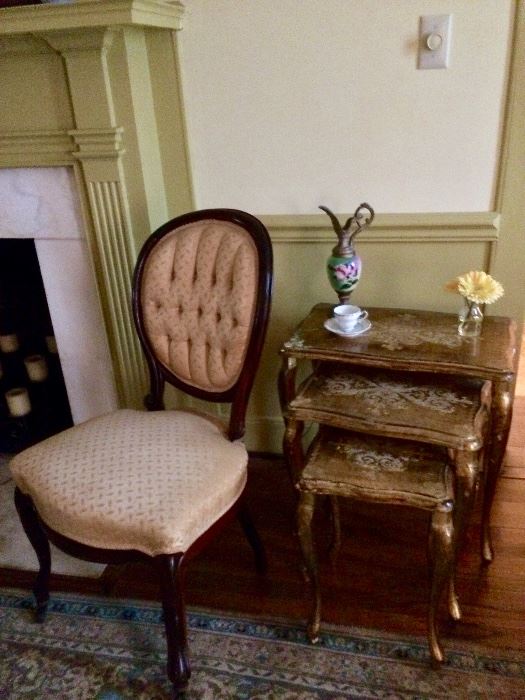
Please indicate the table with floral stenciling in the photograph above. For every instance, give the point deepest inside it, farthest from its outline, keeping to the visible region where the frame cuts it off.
(407, 343)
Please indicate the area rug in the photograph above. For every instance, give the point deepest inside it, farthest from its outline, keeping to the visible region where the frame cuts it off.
(95, 648)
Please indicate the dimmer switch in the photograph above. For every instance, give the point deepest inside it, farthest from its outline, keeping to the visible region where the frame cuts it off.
(434, 41)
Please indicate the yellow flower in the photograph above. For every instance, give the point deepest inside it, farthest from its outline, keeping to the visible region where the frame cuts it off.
(476, 286)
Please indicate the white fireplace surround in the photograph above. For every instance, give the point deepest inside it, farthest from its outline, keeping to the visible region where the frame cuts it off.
(42, 203)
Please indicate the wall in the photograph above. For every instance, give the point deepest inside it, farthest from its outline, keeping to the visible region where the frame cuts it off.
(294, 103)
(291, 104)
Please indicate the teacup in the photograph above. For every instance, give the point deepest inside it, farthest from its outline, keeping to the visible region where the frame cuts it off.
(346, 316)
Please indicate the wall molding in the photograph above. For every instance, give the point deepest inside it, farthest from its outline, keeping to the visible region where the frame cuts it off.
(392, 228)
(510, 256)
(20, 149)
(111, 229)
(24, 44)
(98, 143)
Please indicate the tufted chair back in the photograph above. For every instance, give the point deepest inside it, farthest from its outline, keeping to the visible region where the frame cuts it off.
(201, 297)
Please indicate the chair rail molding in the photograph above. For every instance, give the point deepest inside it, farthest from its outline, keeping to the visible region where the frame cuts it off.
(402, 228)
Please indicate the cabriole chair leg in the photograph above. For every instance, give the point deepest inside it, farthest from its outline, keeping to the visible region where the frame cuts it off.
(170, 568)
(40, 543)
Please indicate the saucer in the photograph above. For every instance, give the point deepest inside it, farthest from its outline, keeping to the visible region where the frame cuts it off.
(360, 327)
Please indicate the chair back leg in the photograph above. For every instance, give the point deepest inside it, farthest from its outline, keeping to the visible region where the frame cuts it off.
(40, 543)
(250, 531)
(170, 569)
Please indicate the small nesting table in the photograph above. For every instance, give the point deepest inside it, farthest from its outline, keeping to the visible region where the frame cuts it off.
(395, 407)
(408, 342)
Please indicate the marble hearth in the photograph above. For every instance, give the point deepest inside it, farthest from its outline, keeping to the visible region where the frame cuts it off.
(42, 204)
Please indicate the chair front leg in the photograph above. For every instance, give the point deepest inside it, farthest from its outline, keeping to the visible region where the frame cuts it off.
(38, 538)
(170, 568)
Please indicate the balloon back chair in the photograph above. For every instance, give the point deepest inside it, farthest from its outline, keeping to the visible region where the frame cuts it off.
(158, 484)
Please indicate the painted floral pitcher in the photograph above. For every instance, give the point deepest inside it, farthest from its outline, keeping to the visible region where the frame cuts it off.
(343, 265)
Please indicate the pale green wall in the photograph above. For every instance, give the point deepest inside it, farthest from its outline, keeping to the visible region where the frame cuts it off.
(295, 103)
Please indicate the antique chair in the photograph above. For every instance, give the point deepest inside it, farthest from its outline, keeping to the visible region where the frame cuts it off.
(385, 471)
(156, 485)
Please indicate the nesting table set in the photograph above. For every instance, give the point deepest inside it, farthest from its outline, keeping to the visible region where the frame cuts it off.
(408, 412)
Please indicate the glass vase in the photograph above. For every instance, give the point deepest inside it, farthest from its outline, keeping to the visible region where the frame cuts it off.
(470, 319)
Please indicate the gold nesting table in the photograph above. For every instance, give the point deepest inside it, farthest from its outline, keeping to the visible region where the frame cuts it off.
(407, 412)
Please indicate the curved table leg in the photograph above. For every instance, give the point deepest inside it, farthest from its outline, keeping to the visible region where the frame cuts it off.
(467, 469)
(305, 512)
(335, 544)
(501, 415)
(441, 555)
(293, 448)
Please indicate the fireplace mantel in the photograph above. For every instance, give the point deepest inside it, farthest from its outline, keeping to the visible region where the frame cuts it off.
(82, 14)
(94, 85)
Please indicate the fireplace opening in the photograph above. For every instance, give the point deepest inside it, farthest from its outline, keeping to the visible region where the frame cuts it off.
(33, 396)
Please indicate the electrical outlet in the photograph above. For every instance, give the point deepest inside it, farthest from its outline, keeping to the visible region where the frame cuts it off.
(434, 41)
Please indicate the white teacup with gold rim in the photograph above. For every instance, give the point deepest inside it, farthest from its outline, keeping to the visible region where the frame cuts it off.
(347, 316)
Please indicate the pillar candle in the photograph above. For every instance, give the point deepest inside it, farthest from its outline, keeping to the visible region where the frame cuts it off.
(18, 402)
(9, 343)
(51, 344)
(36, 367)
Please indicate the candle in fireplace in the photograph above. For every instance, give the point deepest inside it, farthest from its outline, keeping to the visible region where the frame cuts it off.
(18, 402)
(51, 344)
(9, 343)
(36, 367)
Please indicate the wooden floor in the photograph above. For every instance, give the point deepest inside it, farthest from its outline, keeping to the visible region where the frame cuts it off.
(380, 581)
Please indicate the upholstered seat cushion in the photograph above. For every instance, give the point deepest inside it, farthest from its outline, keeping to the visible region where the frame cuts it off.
(131, 479)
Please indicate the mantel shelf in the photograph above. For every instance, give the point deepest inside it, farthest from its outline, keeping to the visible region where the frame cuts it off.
(165, 14)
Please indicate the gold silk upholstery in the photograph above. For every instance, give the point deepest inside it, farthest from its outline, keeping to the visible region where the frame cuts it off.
(198, 296)
(197, 476)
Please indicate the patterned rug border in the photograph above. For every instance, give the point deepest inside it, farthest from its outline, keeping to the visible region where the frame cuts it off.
(370, 643)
